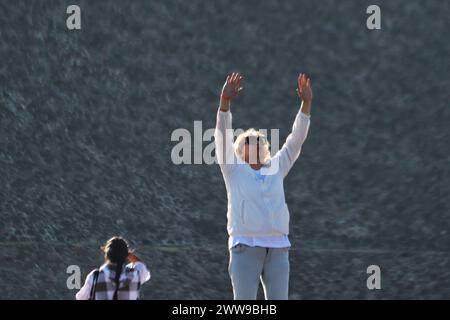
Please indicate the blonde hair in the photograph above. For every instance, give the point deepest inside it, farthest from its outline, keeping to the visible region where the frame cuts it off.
(264, 146)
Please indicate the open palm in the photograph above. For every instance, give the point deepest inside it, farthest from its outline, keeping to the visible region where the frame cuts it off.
(232, 86)
(304, 89)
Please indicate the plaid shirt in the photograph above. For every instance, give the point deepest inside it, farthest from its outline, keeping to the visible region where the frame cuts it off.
(131, 278)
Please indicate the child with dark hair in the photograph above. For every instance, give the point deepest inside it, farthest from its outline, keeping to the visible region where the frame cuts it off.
(119, 278)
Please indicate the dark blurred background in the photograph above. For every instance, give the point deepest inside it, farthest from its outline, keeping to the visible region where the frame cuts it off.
(86, 119)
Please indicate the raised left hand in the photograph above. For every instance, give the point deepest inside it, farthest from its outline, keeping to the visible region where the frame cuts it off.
(304, 89)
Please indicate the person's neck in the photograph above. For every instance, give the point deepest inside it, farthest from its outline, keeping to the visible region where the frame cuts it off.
(113, 265)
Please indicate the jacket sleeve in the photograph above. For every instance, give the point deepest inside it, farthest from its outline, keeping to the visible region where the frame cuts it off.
(291, 149)
(144, 273)
(223, 137)
(85, 291)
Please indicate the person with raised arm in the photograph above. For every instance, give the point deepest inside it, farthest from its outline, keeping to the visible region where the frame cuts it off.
(258, 216)
(119, 278)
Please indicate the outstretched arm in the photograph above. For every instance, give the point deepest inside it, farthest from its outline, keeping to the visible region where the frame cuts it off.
(293, 145)
(223, 135)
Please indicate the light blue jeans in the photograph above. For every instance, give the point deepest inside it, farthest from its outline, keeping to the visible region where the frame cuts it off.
(250, 265)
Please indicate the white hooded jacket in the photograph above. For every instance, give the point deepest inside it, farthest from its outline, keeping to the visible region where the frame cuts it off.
(257, 207)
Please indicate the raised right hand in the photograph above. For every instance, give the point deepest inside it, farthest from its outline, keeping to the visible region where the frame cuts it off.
(232, 86)
(132, 258)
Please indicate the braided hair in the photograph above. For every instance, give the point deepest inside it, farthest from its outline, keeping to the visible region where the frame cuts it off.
(116, 252)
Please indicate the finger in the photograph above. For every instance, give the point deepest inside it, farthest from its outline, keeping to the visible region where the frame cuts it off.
(308, 83)
(236, 75)
(238, 81)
